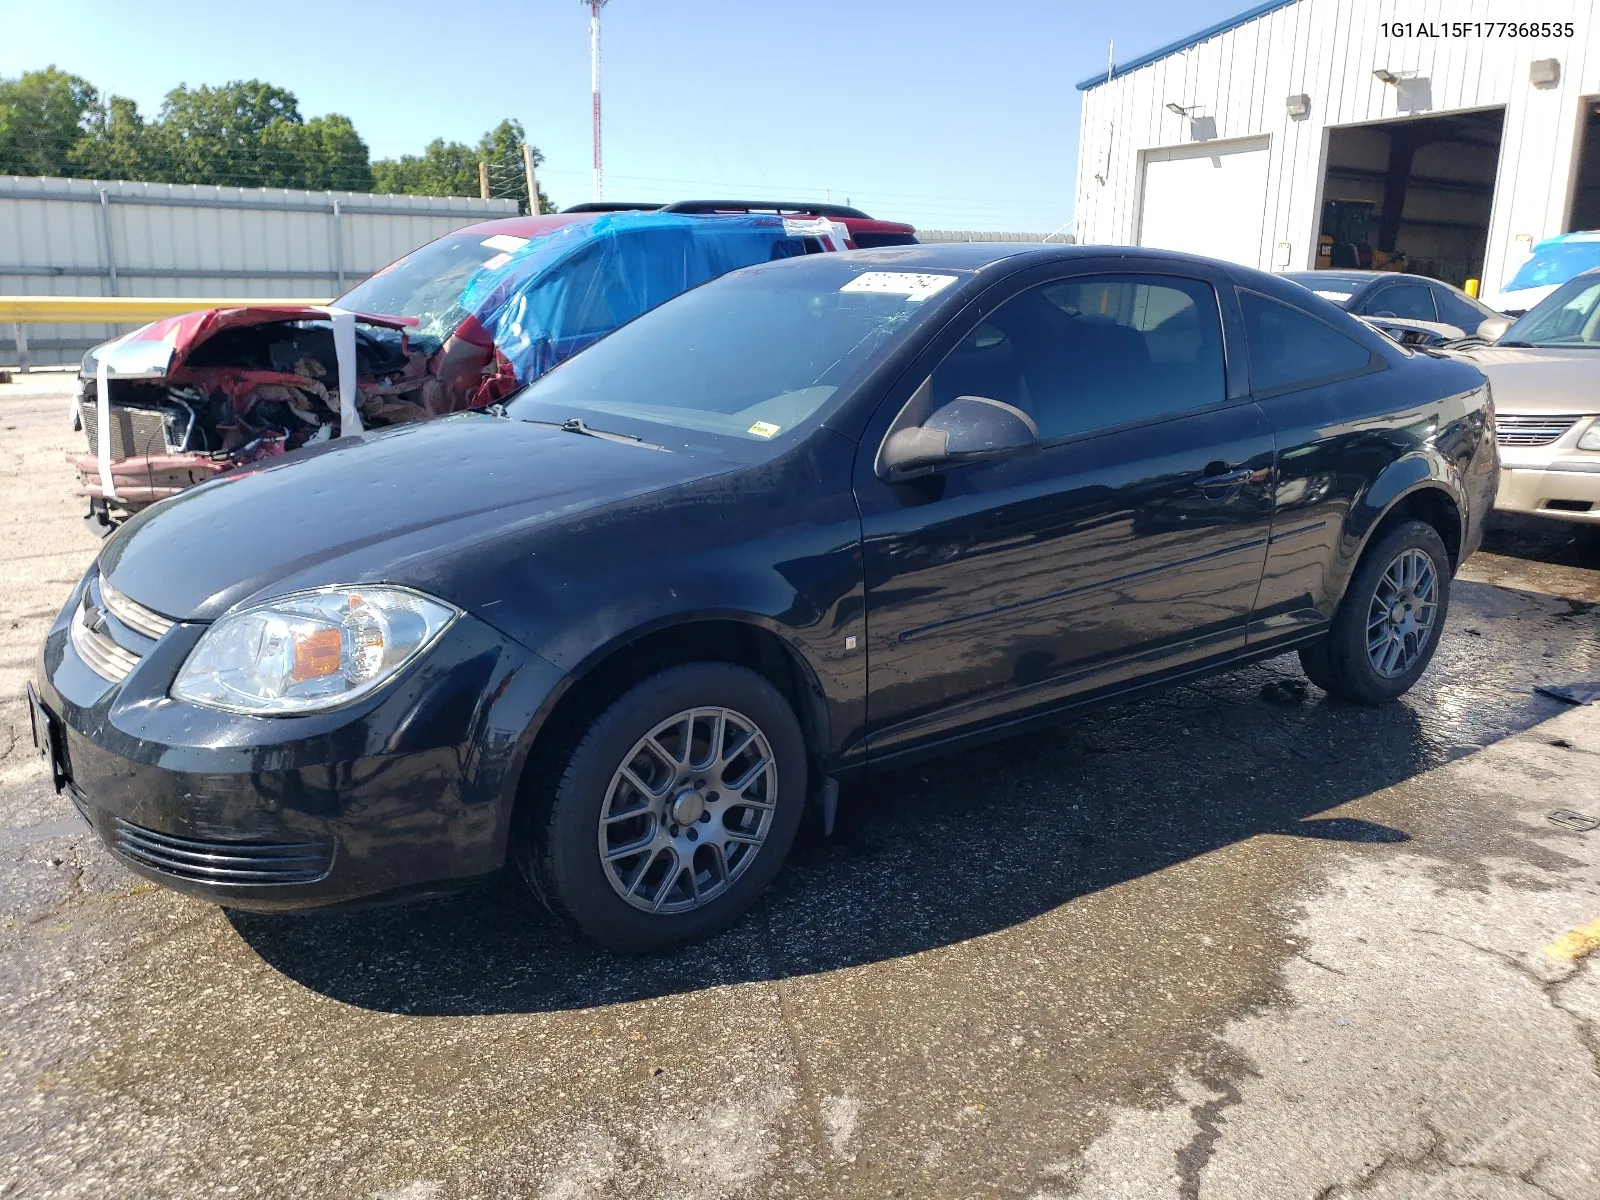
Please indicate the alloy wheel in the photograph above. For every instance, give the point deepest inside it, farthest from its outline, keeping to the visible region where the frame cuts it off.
(688, 809)
(1401, 616)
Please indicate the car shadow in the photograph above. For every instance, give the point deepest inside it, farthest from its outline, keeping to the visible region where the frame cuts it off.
(1546, 540)
(930, 856)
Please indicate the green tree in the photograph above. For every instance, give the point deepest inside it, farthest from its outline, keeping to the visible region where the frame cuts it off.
(41, 120)
(451, 168)
(114, 144)
(220, 135)
(247, 133)
(325, 153)
(442, 169)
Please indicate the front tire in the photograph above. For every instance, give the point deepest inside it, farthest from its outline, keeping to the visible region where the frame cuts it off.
(675, 810)
(1388, 625)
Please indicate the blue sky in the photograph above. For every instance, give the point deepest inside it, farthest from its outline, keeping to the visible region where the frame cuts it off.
(947, 115)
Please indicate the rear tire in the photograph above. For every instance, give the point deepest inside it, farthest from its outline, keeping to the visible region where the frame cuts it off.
(1389, 623)
(693, 833)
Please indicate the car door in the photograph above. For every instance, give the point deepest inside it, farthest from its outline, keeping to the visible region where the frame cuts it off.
(1130, 542)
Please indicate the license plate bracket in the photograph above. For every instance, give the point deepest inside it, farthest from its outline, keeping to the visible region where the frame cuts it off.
(46, 739)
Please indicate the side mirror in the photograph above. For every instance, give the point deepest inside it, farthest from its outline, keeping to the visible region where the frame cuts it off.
(968, 429)
(1492, 329)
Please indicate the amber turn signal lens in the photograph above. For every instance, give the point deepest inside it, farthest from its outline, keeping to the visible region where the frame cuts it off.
(316, 654)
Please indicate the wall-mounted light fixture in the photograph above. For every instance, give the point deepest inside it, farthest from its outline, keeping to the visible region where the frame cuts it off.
(1180, 109)
(1298, 106)
(1384, 75)
(1544, 72)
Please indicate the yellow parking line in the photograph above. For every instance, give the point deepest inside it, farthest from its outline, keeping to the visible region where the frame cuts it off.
(1575, 943)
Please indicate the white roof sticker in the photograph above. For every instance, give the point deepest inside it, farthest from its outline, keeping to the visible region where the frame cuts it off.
(912, 285)
(504, 242)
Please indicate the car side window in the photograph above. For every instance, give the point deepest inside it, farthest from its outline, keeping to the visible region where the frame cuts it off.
(1290, 348)
(1410, 301)
(1089, 353)
(1453, 310)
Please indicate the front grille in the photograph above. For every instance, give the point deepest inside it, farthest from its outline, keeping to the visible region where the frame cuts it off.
(133, 614)
(93, 641)
(223, 862)
(133, 430)
(95, 647)
(1531, 431)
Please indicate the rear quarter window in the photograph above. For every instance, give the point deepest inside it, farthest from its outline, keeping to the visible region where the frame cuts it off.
(1290, 349)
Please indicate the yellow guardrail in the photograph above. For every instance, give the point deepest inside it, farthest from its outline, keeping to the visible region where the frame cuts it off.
(121, 309)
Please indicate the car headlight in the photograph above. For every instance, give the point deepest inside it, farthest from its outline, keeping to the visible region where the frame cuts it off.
(1591, 436)
(309, 651)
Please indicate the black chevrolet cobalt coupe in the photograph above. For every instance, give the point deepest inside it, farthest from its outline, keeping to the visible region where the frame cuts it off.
(818, 516)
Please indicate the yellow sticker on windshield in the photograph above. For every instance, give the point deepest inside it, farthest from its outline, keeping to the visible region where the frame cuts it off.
(765, 429)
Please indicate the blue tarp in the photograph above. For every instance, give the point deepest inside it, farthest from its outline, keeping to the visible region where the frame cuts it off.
(549, 299)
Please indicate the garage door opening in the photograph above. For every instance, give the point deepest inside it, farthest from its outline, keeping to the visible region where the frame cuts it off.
(1586, 188)
(1209, 198)
(1411, 195)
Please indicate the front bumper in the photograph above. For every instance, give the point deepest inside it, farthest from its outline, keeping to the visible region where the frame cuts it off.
(409, 793)
(143, 479)
(1564, 490)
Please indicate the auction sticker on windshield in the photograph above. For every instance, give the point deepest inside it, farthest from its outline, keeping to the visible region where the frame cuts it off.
(910, 284)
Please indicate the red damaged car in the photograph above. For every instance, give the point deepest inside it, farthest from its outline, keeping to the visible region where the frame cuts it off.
(460, 323)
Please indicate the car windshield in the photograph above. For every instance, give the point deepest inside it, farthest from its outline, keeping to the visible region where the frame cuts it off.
(427, 284)
(1555, 264)
(1568, 316)
(743, 361)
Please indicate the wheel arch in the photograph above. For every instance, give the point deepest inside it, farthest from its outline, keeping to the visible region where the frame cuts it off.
(629, 659)
(1430, 502)
(1413, 487)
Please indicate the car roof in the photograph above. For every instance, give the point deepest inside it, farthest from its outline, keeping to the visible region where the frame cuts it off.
(531, 226)
(1359, 276)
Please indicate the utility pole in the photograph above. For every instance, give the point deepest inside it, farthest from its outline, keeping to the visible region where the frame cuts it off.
(483, 179)
(533, 183)
(594, 83)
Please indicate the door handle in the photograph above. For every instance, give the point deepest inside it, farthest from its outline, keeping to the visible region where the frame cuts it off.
(1225, 479)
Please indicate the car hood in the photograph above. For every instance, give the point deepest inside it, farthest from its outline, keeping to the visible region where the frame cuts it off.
(1537, 379)
(382, 507)
(152, 351)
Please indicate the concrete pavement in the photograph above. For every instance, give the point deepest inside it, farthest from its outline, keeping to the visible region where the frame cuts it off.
(1232, 942)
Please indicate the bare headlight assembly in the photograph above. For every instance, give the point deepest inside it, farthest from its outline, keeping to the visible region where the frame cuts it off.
(309, 651)
(1591, 436)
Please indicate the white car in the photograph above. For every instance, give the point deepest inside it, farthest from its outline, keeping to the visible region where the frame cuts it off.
(1545, 374)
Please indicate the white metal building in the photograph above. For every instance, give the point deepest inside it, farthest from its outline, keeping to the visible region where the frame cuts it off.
(1309, 133)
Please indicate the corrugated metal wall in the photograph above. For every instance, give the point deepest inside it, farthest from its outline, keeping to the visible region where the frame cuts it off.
(1328, 50)
(79, 237)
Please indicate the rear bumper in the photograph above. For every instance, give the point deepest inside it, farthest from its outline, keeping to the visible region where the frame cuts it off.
(1535, 490)
(408, 795)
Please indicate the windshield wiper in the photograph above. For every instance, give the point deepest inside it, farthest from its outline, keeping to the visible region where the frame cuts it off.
(1528, 345)
(576, 425)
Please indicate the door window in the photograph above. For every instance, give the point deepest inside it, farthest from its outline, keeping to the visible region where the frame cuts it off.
(1291, 349)
(1089, 353)
(1409, 301)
